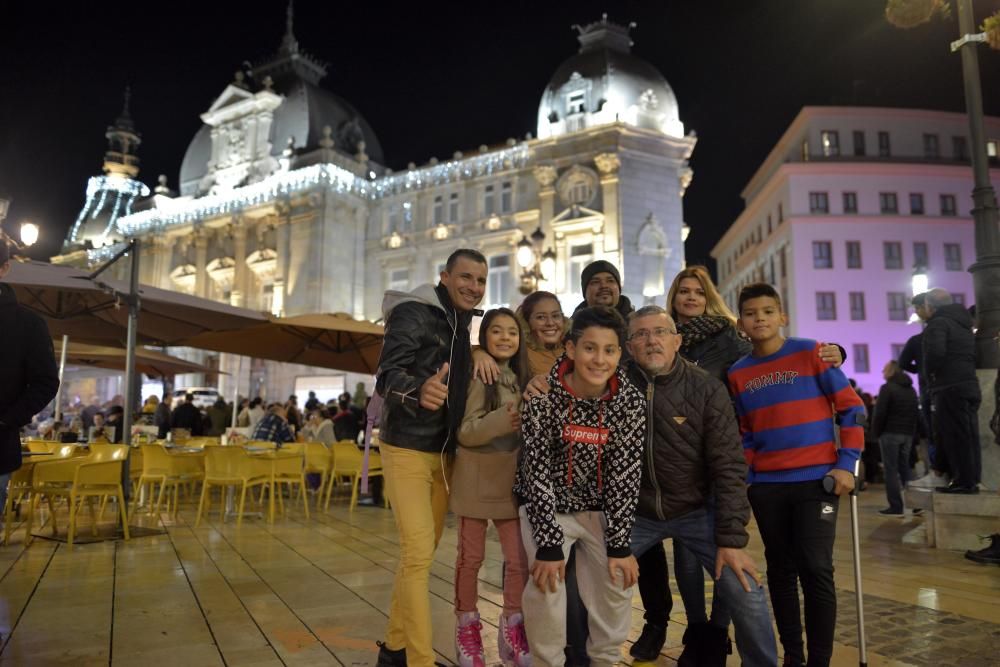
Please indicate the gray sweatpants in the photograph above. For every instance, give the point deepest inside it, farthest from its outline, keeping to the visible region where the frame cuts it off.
(609, 608)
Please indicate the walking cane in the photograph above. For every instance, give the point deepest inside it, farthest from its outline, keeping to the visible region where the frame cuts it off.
(828, 486)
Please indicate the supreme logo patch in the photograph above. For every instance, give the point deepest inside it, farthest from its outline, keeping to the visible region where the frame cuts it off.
(585, 435)
(680, 420)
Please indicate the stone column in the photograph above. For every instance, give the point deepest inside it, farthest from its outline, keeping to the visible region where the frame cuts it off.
(546, 175)
(607, 165)
(200, 262)
(282, 231)
(236, 295)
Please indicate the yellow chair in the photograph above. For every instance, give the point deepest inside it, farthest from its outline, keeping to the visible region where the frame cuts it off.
(228, 466)
(76, 479)
(19, 486)
(168, 470)
(319, 459)
(288, 467)
(41, 446)
(348, 461)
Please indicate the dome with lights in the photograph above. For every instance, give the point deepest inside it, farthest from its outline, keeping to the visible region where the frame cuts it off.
(605, 83)
(308, 117)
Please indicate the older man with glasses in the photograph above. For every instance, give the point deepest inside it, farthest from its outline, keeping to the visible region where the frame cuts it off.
(693, 486)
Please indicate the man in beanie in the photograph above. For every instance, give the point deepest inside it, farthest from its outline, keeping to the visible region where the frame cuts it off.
(28, 374)
(602, 286)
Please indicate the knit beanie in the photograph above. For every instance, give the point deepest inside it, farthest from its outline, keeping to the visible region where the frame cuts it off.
(600, 266)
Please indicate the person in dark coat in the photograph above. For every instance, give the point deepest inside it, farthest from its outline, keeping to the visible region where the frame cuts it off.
(894, 423)
(29, 377)
(950, 363)
(188, 416)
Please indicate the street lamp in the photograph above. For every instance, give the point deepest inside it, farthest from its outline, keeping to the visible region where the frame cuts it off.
(29, 233)
(535, 264)
(919, 282)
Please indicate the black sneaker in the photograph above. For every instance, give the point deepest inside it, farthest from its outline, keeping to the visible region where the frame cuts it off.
(955, 488)
(389, 658)
(888, 511)
(989, 555)
(647, 647)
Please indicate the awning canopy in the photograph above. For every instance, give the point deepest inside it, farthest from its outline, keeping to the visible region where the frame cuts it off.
(76, 306)
(151, 362)
(328, 340)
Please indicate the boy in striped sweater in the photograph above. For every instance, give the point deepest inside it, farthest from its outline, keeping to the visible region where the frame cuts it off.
(785, 399)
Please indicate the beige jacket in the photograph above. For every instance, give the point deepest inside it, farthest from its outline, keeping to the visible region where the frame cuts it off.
(486, 460)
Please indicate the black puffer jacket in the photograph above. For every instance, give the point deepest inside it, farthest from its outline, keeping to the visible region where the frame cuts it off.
(692, 448)
(717, 353)
(896, 407)
(28, 374)
(423, 331)
(949, 348)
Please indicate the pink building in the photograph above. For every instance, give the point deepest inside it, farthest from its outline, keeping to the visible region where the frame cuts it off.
(846, 207)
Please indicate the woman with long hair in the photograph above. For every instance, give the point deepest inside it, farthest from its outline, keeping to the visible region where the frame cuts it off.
(544, 326)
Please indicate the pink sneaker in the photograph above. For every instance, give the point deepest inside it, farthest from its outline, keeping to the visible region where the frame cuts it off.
(512, 641)
(469, 640)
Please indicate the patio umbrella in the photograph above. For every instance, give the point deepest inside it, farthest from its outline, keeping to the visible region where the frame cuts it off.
(72, 304)
(151, 362)
(335, 341)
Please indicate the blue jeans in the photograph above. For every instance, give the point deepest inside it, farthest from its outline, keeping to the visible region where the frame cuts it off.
(896, 462)
(751, 619)
(690, 578)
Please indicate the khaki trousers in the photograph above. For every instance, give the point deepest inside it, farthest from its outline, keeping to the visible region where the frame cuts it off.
(609, 608)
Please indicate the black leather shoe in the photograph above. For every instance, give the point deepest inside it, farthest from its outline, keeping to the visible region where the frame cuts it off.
(990, 554)
(389, 658)
(647, 647)
(693, 639)
(955, 488)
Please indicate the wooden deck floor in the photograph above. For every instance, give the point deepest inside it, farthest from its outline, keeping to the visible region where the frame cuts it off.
(314, 592)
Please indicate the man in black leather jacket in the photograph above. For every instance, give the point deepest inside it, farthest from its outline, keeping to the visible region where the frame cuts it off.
(423, 375)
(949, 348)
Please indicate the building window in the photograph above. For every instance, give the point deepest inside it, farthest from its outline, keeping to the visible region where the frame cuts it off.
(916, 203)
(850, 202)
(826, 306)
(805, 151)
(407, 217)
(859, 143)
(991, 149)
(830, 140)
(857, 306)
(781, 214)
(498, 281)
(822, 255)
(438, 210)
(784, 271)
(489, 201)
(960, 149)
(932, 150)
(453, 207)
(958, 297)
(579, 257)
(860, 357)
(892, 251)
(575, 103)
(887, 202)
(819, 202)
(506, 197)
(948, 205)
(854, 254)
(896, 349)
(920, 254)
(393, 222)
(769, 226)
(883, 144)
(399, 280)
(897, 306)
(952, 257)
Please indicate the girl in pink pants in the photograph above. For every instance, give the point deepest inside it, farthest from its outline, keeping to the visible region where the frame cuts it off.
(481, 491)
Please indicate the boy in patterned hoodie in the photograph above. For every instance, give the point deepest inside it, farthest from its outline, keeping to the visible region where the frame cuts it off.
(578, 482)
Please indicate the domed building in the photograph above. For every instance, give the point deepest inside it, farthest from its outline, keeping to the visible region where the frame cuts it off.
(285, 206)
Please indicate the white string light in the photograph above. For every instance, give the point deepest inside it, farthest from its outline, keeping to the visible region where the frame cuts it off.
(99, 187)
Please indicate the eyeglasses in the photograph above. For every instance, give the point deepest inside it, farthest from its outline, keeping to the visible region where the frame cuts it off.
(658, 332)
(546, 317)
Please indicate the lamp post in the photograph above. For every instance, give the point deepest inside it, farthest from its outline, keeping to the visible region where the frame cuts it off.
(535, 264)
(29, 233)
(986, 269)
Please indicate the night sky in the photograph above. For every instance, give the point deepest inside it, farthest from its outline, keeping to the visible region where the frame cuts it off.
(433, 78)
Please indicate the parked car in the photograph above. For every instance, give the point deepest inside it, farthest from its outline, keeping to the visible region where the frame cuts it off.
(203, 396)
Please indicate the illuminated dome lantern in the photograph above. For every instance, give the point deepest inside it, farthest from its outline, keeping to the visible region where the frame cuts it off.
(605, 83)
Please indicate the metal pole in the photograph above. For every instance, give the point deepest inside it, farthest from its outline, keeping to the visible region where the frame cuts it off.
(62, 371)
(236, 391)
(133, 324)
(986, 269)
(859, 600)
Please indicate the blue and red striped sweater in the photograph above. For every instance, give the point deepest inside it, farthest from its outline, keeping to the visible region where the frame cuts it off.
(783, 402)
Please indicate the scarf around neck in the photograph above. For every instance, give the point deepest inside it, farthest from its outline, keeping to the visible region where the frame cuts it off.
(699, 329)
